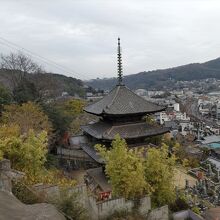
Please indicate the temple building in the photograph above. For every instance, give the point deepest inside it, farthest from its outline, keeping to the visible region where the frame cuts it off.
(120, 112)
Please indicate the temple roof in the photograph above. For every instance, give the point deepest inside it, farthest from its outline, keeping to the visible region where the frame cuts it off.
(103, 130)
(90, 150)
(122, 101)
(100, 178)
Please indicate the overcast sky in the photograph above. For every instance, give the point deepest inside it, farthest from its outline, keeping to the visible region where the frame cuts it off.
(82, 34)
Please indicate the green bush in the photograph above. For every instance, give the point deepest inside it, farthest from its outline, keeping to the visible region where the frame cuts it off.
(179, 204)
(195, 209)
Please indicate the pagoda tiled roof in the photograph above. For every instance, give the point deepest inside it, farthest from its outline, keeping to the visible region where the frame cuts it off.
(107, 131)
(122, 101)
(90, 150)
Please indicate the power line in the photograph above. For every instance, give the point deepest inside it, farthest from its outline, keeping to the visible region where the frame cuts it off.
(15, 48)
(45, 60)
(31, 56)
(49, 62)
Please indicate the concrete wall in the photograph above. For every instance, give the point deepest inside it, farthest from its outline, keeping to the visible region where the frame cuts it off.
(73, 153)
(145, 205)
(7, 174)
(5, 182)
(110, 206)
(92, 208)
(183, 215)
(53, 190)
(97, 210)
(48, 191)
(5, 179)
(105, 208)
(161, 213)
(82, 192)
(5, 165)
(102, 209)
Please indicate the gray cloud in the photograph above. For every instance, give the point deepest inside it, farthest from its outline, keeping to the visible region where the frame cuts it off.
(82, 34)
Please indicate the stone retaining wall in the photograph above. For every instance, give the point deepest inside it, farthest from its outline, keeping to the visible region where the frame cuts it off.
(103, 209)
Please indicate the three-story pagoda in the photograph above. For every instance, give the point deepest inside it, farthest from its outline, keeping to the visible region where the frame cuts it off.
(120, 112)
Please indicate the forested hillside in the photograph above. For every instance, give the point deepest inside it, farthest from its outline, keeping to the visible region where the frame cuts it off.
(158, 78)
(49, 84)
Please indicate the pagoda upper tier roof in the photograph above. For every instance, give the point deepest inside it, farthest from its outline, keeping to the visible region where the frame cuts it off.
(122, 101)
(106, 131)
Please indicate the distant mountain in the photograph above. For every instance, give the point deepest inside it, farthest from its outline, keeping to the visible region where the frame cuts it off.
(160, 78)
(51, 84)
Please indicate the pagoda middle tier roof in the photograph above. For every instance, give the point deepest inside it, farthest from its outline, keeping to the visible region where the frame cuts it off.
(122, 101)
(106, 131)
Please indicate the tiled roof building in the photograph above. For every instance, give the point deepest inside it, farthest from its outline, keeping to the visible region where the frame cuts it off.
(122, 101)
(121, 112)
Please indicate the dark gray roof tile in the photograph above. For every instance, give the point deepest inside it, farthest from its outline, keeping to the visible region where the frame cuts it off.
(99, 177)
(103, 130)
(121, 101)
(90, 150)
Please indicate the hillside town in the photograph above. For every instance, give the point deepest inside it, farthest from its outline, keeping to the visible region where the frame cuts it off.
(89, 131)
(104, 164)
(192, 117)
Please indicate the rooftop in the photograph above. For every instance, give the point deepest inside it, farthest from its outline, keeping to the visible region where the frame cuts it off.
(90, 150)
(122, 101)
(211, 139)
(214, 161)
(104, 130)
(99, 177)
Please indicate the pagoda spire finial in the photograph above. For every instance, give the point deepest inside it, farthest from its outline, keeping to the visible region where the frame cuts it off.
(119, 64)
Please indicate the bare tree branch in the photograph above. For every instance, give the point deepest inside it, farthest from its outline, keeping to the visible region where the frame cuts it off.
(19, 65)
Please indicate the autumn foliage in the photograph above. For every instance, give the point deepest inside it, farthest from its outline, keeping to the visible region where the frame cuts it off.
(24, 140)
(27, 116)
